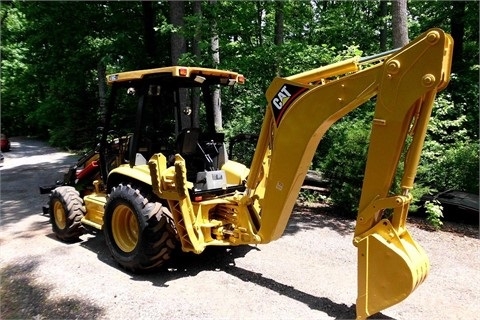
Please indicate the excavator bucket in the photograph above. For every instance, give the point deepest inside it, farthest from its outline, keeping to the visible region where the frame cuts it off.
(390, 267)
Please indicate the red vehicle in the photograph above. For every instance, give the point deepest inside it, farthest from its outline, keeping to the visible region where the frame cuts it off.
(4, 143)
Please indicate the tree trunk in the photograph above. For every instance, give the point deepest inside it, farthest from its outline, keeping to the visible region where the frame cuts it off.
(216, 97)
(259, 22)
(383, 12)
(197, 12)
(149, 33)
(178, 47)
(399, 23)
(457, 25)
(279, 30)
(102, 89)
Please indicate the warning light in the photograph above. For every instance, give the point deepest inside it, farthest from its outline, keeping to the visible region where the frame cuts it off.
(182, 72)
(241, 79)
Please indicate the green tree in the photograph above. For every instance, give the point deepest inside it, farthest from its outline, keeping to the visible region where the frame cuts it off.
(15, 71)
(55, 55)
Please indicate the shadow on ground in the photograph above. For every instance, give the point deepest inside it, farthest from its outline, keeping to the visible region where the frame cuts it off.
(19, 197)
(308, 218)
(221, 259)
(22, 298)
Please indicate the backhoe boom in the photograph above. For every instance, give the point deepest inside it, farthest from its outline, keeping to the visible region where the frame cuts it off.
(301, 109)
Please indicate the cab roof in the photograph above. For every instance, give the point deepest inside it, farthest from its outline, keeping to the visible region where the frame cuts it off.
(177, 73)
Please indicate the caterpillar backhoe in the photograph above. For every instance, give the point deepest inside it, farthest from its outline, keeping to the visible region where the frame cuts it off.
(170, 184)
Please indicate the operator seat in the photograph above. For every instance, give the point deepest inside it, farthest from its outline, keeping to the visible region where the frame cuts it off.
(187, 146)
(207, 147)
(187, 141)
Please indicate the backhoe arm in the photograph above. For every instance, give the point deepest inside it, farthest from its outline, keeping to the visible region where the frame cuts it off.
(300, 110)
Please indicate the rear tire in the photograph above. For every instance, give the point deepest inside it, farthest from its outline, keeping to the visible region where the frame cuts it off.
(66, 210)
(139, 234)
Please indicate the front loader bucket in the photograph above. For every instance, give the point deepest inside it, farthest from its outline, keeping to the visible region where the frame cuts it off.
(390, 267)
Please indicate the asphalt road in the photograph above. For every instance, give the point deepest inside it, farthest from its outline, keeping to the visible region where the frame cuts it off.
(310, 273)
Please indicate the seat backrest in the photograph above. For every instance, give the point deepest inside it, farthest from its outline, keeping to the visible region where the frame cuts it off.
(187, 141)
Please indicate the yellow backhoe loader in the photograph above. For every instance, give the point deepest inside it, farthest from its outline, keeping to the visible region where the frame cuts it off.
(170, 184)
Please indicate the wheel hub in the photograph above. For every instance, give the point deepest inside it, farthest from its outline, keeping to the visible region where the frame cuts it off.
(59, 213)
(125, 228)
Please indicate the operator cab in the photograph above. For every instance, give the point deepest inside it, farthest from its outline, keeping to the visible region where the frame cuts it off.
(170, 111)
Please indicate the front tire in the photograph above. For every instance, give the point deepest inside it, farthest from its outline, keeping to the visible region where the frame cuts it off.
(139, 234)
(66, 211)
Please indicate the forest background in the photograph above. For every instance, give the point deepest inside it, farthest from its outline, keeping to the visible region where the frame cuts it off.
(55, 56)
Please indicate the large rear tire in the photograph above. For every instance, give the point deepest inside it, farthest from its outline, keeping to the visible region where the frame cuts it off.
(66, 210)
(139, 234)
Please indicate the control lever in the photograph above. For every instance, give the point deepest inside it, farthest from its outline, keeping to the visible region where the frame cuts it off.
(207, 158)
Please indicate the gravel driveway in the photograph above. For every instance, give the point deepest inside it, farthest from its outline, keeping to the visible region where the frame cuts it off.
(309, 273)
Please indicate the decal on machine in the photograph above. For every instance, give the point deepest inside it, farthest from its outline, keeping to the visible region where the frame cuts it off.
(284, 98)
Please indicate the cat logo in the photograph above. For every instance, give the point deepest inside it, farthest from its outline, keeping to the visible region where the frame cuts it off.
(281, 98)
(284, 98)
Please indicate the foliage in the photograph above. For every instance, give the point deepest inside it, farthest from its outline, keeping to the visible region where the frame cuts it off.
(455, 167)
(52, 54)
(434, 212)
(344, 163)
(451, 157)
(309, 196)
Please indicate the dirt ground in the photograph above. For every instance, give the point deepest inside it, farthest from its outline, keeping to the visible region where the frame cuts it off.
(309, 273)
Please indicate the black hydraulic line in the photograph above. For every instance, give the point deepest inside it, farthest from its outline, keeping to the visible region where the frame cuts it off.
(377, 56)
